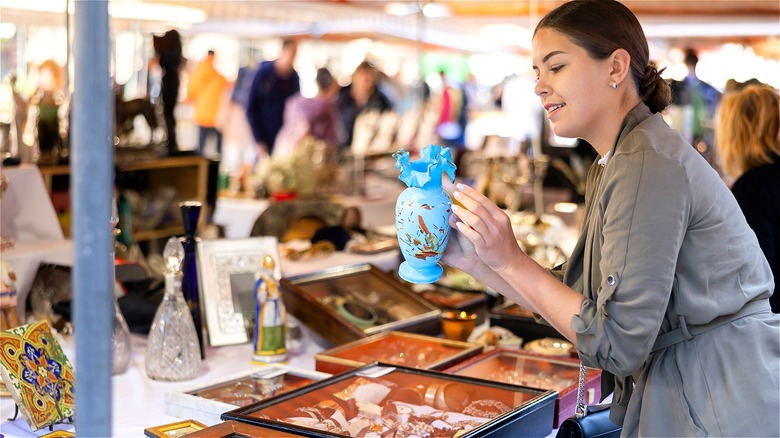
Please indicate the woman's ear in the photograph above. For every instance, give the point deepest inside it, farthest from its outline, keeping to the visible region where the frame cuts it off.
(620, 62)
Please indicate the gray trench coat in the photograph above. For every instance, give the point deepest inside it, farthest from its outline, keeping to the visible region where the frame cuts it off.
(663, 238)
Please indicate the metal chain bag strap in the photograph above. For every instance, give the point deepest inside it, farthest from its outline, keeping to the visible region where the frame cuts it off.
(588, 421)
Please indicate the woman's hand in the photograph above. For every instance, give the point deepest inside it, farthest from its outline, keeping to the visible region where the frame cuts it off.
(484, 231)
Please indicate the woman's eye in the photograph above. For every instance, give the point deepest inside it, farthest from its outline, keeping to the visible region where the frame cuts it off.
(556, 68)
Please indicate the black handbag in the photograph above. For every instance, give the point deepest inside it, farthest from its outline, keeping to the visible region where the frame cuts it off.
(588, 421)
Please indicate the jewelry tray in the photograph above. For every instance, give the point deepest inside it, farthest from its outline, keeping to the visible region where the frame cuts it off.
(396, 348)
(320, 299)
(536, 371)
(406, 401)
(206, 402)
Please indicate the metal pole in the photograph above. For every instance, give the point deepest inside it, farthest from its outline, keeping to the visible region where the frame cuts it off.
(92, 165)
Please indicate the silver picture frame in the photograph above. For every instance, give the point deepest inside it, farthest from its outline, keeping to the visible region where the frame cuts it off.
(228, 270)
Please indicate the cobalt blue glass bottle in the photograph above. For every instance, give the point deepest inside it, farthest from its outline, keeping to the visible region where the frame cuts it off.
(190, 211)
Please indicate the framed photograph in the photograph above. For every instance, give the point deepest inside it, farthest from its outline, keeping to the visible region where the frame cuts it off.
(174, 430)
(228, 270)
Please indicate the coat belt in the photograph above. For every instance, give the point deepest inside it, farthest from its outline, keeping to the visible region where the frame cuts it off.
(687, 332)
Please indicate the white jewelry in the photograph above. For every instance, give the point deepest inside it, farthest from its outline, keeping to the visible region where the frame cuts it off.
(614, 85)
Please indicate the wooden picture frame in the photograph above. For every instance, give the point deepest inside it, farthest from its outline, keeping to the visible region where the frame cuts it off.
(228, 270)
(174, 430)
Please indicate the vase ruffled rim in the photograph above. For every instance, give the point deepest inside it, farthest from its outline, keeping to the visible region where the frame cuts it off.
(434, 160)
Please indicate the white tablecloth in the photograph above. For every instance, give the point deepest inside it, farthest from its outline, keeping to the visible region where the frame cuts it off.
(26, 211)
(25, 257)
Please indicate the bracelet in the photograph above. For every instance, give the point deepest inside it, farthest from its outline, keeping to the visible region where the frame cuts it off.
(486, 408)
(357, 313)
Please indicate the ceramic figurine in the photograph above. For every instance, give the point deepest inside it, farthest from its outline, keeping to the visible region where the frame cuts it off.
(8, 298)
(422, 212)
(270, 317)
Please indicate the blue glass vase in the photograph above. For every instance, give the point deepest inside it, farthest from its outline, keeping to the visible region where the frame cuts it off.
(422, 212)
(190, 211)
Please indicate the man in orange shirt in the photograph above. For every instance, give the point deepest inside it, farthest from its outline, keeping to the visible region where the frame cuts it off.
(205, 90)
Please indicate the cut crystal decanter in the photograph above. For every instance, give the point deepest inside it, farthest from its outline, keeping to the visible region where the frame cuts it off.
(173, 353)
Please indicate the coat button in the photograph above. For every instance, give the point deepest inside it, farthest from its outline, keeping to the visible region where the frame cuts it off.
(611, 280)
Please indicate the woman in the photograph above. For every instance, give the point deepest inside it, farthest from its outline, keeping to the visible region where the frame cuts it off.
(748, 139)
(361, 95)
(317, 117)
(661, 246)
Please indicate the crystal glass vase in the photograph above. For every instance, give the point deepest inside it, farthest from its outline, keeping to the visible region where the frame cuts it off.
(121, 348)
(173, 353)
(422, 212)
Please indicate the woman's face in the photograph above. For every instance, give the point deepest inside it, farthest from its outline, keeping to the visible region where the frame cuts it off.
(571, 85)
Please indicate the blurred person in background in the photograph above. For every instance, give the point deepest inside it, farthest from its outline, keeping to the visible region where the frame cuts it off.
(317, 116)
(699, 101)
(361, 95)
(274, 82)
(168, 51)
(747, 134)
(205, 90)
(451, 127)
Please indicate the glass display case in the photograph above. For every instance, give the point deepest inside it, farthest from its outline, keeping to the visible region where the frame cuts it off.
(353, 302)
(206, 403)
(396, 348)
(535, 371)
(379, 400)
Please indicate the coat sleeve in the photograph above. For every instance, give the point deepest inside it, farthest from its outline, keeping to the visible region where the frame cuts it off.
(643, 212)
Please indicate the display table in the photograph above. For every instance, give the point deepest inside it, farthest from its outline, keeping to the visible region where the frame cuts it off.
(138, 402)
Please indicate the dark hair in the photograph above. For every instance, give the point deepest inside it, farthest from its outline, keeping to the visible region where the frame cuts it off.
(690, 57)
(210, 53)
(323, 78)
(603, 26)
(288, 43)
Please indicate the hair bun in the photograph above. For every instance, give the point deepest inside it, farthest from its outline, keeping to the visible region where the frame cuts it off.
(654, 90)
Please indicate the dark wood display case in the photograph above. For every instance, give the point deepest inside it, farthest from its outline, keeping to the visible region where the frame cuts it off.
(396, 348)
(353, 302)
(405, 401)
(521, 322)
(535, 371)
(235, 429)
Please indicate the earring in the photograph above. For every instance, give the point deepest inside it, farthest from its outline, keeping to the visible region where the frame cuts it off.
(614, 85)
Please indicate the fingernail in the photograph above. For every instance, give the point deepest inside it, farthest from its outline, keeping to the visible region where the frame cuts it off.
(453, 218)
(455, 207)
(460, 186)
(456, 194)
